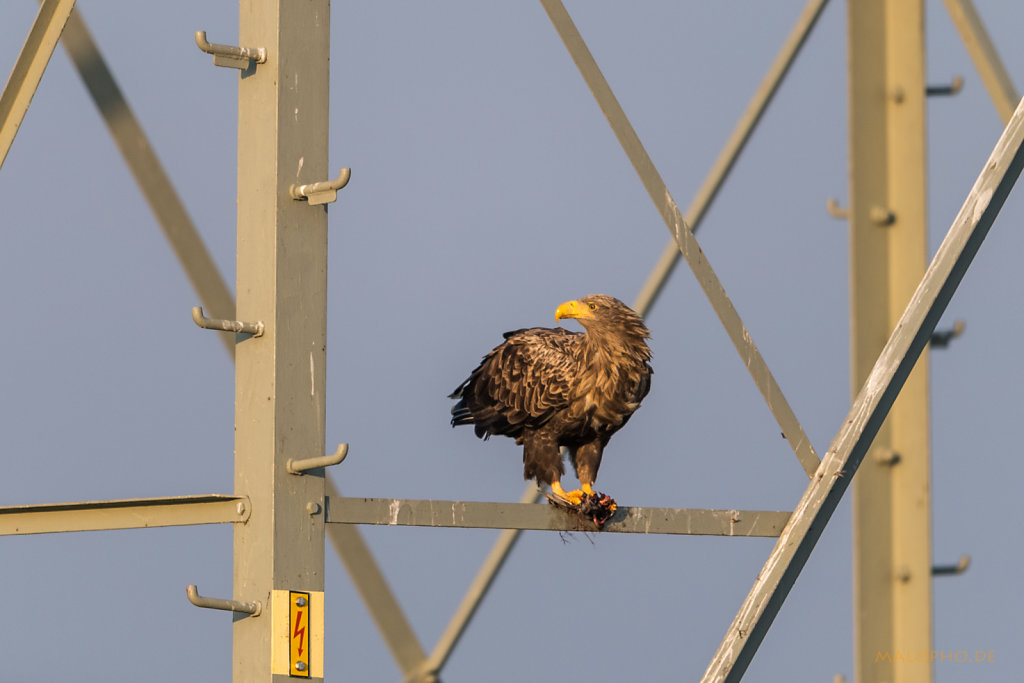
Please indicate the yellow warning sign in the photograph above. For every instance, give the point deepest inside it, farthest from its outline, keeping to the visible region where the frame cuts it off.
(298, 634)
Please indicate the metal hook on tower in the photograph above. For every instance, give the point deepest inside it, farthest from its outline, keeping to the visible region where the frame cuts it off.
(221, 325)
(879, 215)
(230, 56)
(836, 211)
(324, 192)
(941, 340)
(954, 87)
(300, 466)
(253, 608)
(952, 569)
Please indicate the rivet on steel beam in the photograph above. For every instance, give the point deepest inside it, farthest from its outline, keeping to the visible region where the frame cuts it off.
(230, 56)
(313, 508)
(952, 569)
(881, 216)
(955, 86)
(324, 192)
(903, 574)
(940, 340)
(886, 456)
(236, 326)
(253, 608)
(835, 210)
(300, 466)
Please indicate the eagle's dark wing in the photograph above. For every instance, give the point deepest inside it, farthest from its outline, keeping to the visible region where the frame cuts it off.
(520, 383)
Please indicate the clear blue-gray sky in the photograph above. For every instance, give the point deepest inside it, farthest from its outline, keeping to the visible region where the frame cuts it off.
(487, 188)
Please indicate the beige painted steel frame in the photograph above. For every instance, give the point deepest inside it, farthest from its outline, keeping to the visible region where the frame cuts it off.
(523, 516)
(891, 499)
(888, 375)
(985, 57)
(282, 280)
(149, 173)
(132, 513)
(29, 67)
(119, 117)
(737, 141)
(217, 509)
(377, 596)
(682, 235)
(662, 269)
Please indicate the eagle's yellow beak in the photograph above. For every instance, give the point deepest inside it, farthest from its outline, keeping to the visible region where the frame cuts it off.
(572, 309)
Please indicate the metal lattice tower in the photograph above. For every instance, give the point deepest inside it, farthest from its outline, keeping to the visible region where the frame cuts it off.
(285, 506)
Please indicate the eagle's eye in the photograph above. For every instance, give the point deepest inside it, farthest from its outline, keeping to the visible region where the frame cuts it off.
(593, 307)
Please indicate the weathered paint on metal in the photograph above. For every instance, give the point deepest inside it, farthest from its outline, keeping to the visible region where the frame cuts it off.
(629, 520)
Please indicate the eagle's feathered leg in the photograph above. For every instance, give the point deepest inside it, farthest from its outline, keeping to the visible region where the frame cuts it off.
(542, 459)
(586, 460)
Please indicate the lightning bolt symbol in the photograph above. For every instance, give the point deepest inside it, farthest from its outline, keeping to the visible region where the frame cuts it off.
(299, 633)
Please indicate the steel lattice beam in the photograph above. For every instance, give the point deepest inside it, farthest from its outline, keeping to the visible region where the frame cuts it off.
(871, 406)
(736, 143)
(825, 489)
(379, 599)
(131, 513)
(280, 376)
(29, 67)
(683, 236)
(705, 196)
(890, 499)
(542, 517)
(985, 57)
(149, 173)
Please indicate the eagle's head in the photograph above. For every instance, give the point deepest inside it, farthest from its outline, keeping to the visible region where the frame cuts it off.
(600, 313)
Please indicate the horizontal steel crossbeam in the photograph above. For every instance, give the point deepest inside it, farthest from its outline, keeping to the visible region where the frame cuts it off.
(130, 513)
(543, 517)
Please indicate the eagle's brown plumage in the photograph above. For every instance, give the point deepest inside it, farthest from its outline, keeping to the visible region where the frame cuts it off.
(550, 388)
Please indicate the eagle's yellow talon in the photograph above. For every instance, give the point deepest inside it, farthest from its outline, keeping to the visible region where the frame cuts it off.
(574, 497)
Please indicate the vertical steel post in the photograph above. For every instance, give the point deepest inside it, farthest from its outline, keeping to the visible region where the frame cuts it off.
(280, 376)
(888, 250)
